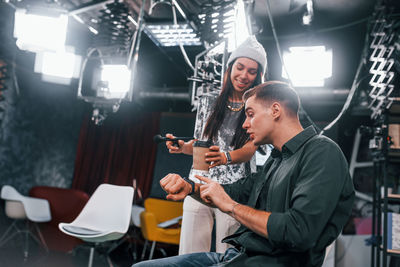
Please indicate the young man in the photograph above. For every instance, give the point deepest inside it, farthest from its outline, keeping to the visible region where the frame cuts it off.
(292, 209)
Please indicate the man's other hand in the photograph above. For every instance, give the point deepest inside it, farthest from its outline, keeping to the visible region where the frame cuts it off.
(175, 186)
(214, 194)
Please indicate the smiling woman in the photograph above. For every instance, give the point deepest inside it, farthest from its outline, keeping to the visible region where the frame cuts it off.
(243, 75)
(219, 119)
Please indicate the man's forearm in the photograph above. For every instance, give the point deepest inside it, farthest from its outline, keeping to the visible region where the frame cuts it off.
(255, 220)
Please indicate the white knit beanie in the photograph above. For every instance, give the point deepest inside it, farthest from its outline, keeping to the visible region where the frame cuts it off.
(252, 49)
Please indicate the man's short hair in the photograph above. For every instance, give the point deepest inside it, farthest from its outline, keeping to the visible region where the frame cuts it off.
(276, 91)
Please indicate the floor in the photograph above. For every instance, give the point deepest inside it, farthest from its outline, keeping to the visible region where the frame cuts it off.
(12, 251)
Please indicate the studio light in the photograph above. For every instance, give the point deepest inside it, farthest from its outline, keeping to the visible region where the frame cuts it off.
(110, 62)
(37, 33)
(114, 81)
(308, 16)
(308, 65)
(58, 67)
(172, 35)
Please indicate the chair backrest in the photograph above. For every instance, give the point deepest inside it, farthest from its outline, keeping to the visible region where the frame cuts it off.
(108, 209)
(163, 209)
(10, 193)
(136, 210)
(65, 205)
(36, 209)
(15, 209)
(13, 206)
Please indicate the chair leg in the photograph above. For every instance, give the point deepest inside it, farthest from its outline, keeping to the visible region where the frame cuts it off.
(109, 261)
(116, 244)
(153, 245)
(144, 249)
(42, 240)
(8, 235)
(163, 252)
(5, 237)
(26, 249)
(91, 257)
(134, 253)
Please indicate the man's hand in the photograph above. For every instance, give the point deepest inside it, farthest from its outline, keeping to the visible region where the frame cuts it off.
(175, 186)
(215, 157)
(213, 193)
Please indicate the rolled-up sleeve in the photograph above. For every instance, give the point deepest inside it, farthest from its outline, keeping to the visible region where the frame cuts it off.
(323, 184)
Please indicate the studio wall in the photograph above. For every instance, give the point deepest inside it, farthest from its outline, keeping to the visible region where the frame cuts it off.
(179, 124)
(38, 133)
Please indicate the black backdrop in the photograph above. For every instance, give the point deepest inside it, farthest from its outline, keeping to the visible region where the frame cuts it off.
(179, 124)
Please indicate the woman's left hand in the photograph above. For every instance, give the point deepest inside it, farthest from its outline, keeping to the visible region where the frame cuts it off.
(215, 157)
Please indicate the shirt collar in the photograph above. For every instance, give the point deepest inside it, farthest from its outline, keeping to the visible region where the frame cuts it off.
(275, 153)
(291, 146)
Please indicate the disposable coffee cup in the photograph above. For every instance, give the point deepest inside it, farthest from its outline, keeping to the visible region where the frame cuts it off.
(200, 148)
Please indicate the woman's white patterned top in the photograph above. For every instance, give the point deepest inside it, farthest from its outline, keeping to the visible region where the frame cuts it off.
(223, 174)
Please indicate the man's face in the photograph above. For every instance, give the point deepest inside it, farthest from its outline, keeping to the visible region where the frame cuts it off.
(259, 121)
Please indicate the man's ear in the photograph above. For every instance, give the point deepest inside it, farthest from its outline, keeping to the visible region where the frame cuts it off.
(276, 110)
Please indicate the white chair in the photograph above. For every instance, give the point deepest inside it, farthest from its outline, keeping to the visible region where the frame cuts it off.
(135, 221)
(105, 217)
(19, 207)
(136, 211)
(329, 260)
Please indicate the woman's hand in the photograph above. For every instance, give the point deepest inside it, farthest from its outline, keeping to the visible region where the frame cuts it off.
(215, 157)
(185, 148)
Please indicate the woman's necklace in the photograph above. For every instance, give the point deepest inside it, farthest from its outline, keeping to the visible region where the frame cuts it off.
(235, 109)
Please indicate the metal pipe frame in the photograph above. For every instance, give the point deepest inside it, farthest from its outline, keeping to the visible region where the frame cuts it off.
(136, 43)
(87, 7)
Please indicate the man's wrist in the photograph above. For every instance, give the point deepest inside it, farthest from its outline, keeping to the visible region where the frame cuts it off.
(192, 185)
(232, 211)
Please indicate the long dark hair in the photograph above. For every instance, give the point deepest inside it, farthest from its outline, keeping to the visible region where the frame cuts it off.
(216, 118)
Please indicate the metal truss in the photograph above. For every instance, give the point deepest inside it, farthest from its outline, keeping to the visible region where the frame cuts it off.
(382, 62)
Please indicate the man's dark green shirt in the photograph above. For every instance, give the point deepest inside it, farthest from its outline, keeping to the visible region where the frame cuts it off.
(309, 192)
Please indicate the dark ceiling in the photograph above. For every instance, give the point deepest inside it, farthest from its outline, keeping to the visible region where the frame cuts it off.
(338, 24)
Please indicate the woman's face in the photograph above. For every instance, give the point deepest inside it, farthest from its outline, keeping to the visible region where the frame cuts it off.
(243, 74)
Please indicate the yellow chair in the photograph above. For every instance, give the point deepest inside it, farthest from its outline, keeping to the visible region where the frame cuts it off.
(160, 214)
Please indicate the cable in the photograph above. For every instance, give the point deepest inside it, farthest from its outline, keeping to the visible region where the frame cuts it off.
(90, 52)
(340, 27)
(299, 35)
(185, 56)
(302, 111)
(355, 84)
(278, 47)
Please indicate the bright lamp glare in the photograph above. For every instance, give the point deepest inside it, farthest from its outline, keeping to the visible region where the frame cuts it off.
(308, 66)
(37, 33)
(57, 67)
(235, 27)
(240, 31)
(59, 64)
(117, 79)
